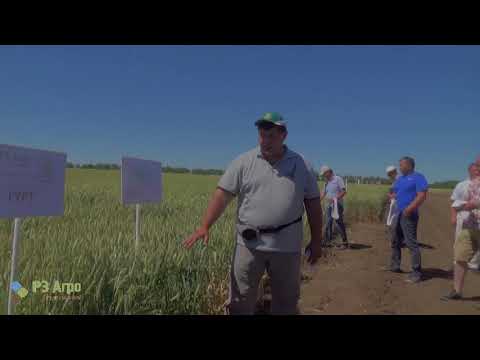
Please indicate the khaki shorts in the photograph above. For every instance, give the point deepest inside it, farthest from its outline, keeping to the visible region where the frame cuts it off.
(466, 245)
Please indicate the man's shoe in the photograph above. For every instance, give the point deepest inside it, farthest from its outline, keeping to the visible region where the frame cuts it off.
(453, 295)
(388, 268)
(414, 279)
(474, 269)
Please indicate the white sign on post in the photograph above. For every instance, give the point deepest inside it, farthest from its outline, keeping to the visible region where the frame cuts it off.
(141, 182)
(32, 183)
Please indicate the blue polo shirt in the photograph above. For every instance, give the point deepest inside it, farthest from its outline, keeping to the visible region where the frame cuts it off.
(406, 188)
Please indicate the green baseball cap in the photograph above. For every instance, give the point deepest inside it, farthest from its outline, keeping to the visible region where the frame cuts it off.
(273, 118)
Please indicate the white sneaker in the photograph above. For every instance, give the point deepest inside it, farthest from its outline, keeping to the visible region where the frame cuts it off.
(474, 268)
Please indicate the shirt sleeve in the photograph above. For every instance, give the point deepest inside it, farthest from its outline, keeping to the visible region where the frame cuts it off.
(456, 193)
(341, 183)
(231, 180)
(421, 183)
(394, 187)
(311, 190)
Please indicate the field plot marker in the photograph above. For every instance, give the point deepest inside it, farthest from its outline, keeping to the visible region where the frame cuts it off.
(32, 183)
(141, 182)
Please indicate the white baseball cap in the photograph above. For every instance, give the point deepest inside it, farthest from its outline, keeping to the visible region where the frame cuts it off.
(324, 169)
(390, 169)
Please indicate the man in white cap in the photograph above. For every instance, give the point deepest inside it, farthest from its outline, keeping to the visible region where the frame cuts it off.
(392, 210)
(334, 191)
(392, 173)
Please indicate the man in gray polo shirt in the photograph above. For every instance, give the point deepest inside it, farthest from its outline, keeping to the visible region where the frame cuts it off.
(274, 185)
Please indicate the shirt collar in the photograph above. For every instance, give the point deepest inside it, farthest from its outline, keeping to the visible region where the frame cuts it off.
(334, 177)
(409, 174)
(287, 155)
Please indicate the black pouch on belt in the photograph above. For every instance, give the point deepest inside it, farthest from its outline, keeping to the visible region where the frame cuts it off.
(248, 232)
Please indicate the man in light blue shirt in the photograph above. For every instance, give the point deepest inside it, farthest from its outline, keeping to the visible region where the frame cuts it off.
(334, 191)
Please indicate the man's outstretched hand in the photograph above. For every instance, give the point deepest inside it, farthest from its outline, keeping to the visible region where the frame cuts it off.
(217, 205)
(200, 233)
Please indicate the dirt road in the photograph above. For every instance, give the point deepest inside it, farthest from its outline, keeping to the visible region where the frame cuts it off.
(353, 281)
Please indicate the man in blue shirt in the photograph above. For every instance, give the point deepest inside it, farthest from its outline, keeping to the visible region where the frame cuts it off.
(410, 192)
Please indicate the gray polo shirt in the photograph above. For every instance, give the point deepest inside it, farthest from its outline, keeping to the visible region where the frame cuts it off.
(270, 196)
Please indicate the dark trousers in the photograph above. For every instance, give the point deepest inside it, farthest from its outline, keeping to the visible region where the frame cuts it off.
(340, 223)
(406, 232)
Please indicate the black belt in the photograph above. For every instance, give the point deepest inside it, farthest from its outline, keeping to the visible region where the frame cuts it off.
(278, 228)
(250, 233)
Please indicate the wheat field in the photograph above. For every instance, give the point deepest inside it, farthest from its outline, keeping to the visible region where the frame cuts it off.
(93, 244)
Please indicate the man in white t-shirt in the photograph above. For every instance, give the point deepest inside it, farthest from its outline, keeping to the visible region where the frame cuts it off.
(392, 211)
(458, 216)
(467, 241)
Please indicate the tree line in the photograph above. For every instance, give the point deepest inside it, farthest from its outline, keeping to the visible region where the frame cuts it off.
(99, 166)
(350, 179)
(373, 180)
(444, 184)
(166, 169)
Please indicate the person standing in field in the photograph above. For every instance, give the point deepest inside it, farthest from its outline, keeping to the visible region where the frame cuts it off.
(474, 264)
(467, 242)
(334, 191)
(274, 185)
(393, 176)
(460, 198)
(392, 173)
(392, 209)
(410, 191)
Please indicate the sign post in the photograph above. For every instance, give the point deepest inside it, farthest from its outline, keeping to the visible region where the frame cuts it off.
(32, 183)
(141, 182)
(137, 225)
(13, 266)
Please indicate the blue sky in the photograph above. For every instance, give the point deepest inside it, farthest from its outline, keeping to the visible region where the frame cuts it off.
(355, 108)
